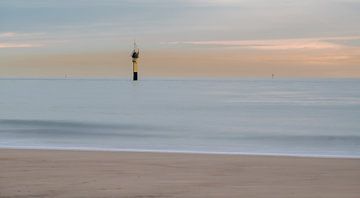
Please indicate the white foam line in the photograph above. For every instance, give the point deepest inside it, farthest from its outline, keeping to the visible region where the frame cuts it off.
(180, 152)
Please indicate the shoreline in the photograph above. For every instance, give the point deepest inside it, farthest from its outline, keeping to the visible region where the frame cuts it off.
(87, 149)
(191, 78)
(59, 173)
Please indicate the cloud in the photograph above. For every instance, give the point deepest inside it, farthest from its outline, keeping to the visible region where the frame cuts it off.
(18, 45)
(21, 35)
(23, 39)
(8, 34)
(277, 44)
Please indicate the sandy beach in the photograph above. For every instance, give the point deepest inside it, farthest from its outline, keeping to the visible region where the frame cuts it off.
(45, 173)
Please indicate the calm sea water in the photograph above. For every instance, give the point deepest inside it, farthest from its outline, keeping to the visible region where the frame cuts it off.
(254, 116)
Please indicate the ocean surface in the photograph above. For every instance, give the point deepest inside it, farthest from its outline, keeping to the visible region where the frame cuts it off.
(303, 117)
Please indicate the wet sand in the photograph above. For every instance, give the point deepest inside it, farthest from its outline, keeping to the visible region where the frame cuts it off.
(45, 173)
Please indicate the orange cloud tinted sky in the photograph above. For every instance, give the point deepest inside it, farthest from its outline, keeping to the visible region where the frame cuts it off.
(93, 38)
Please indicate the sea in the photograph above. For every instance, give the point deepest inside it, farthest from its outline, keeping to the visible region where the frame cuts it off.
(254, 116)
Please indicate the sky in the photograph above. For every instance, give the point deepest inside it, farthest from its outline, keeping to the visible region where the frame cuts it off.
(180, 38)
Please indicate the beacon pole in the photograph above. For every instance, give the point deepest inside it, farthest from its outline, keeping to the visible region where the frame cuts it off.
(135, 56)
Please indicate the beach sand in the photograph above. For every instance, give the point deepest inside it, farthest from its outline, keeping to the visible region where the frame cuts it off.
(45, 173)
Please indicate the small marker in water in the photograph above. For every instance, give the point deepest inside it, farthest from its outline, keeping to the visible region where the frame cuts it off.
(135, 55)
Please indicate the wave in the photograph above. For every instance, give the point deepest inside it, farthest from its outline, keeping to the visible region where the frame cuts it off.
(57, 127)
(73, 124)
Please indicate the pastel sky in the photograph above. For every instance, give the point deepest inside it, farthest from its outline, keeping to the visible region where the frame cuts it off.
(207, 38)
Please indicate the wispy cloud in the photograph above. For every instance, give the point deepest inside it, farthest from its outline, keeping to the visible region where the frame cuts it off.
(24, 39)
(277, 44)
(18, 45)
(7, 34)
(14, 36)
